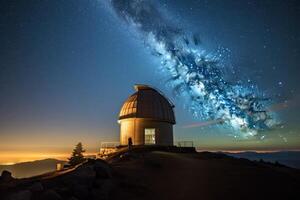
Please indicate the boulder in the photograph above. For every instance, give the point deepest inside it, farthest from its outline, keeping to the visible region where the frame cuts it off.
(51, 195)
(104, 191)
(107, 186)
(72, 198)
(85, 172)
(81, 191)
(98, 183)
(21, 195)
(6, 176)
(97, 194)
(36, 187)
(102, 169)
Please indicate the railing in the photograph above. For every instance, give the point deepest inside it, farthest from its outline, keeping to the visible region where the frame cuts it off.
(185, 144)
(107, 148)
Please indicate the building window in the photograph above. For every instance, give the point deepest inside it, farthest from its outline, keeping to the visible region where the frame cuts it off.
(149, 135)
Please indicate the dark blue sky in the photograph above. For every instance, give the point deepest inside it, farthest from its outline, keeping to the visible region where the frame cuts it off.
(67, 66)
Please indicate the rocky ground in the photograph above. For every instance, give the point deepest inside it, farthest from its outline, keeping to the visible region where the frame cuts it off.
(162, 174)
(92, 180)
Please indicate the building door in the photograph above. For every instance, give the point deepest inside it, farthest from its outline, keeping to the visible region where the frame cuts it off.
(149, 136)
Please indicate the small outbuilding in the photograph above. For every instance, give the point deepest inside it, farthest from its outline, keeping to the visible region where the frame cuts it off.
(147, 118)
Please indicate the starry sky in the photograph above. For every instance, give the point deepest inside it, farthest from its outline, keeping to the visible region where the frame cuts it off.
(66, 66)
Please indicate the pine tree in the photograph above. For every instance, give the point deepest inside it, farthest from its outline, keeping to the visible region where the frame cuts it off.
(77, 156)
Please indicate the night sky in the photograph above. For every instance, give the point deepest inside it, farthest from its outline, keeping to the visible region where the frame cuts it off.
(66, 66)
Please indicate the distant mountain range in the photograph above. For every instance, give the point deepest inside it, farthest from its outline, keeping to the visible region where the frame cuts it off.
(288, 158)
(28, 169)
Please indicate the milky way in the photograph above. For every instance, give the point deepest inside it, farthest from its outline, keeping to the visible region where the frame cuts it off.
(196, 74)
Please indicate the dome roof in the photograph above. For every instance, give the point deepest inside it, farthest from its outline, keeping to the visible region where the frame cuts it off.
(147, 102)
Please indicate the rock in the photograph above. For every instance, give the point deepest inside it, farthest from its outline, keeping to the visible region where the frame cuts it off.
(104, 191)
(69, 179)
(85, 172)
(102, 169)
(107, 186)
(81, 191)
(125, 157)
(6, 176)
(21, 195)
(73, 198)
(97, 194)
(64, 190)
(51, 195)
(36, 187)
(98, 183)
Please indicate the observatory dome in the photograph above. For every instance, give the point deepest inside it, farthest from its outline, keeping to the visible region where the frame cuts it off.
(147, 118)
(147, 102)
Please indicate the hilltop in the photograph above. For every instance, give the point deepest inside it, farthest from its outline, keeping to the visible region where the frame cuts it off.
(162, 174)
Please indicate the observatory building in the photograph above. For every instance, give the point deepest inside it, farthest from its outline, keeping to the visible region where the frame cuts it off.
(147, 117)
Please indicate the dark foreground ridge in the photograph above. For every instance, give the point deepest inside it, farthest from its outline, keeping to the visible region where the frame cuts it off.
(159, 173)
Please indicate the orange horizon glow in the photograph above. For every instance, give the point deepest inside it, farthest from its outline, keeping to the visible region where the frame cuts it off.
(10, 158)
(34, 143)
(13, 158)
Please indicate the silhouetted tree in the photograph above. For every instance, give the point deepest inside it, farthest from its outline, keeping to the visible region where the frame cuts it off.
(77, 156)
